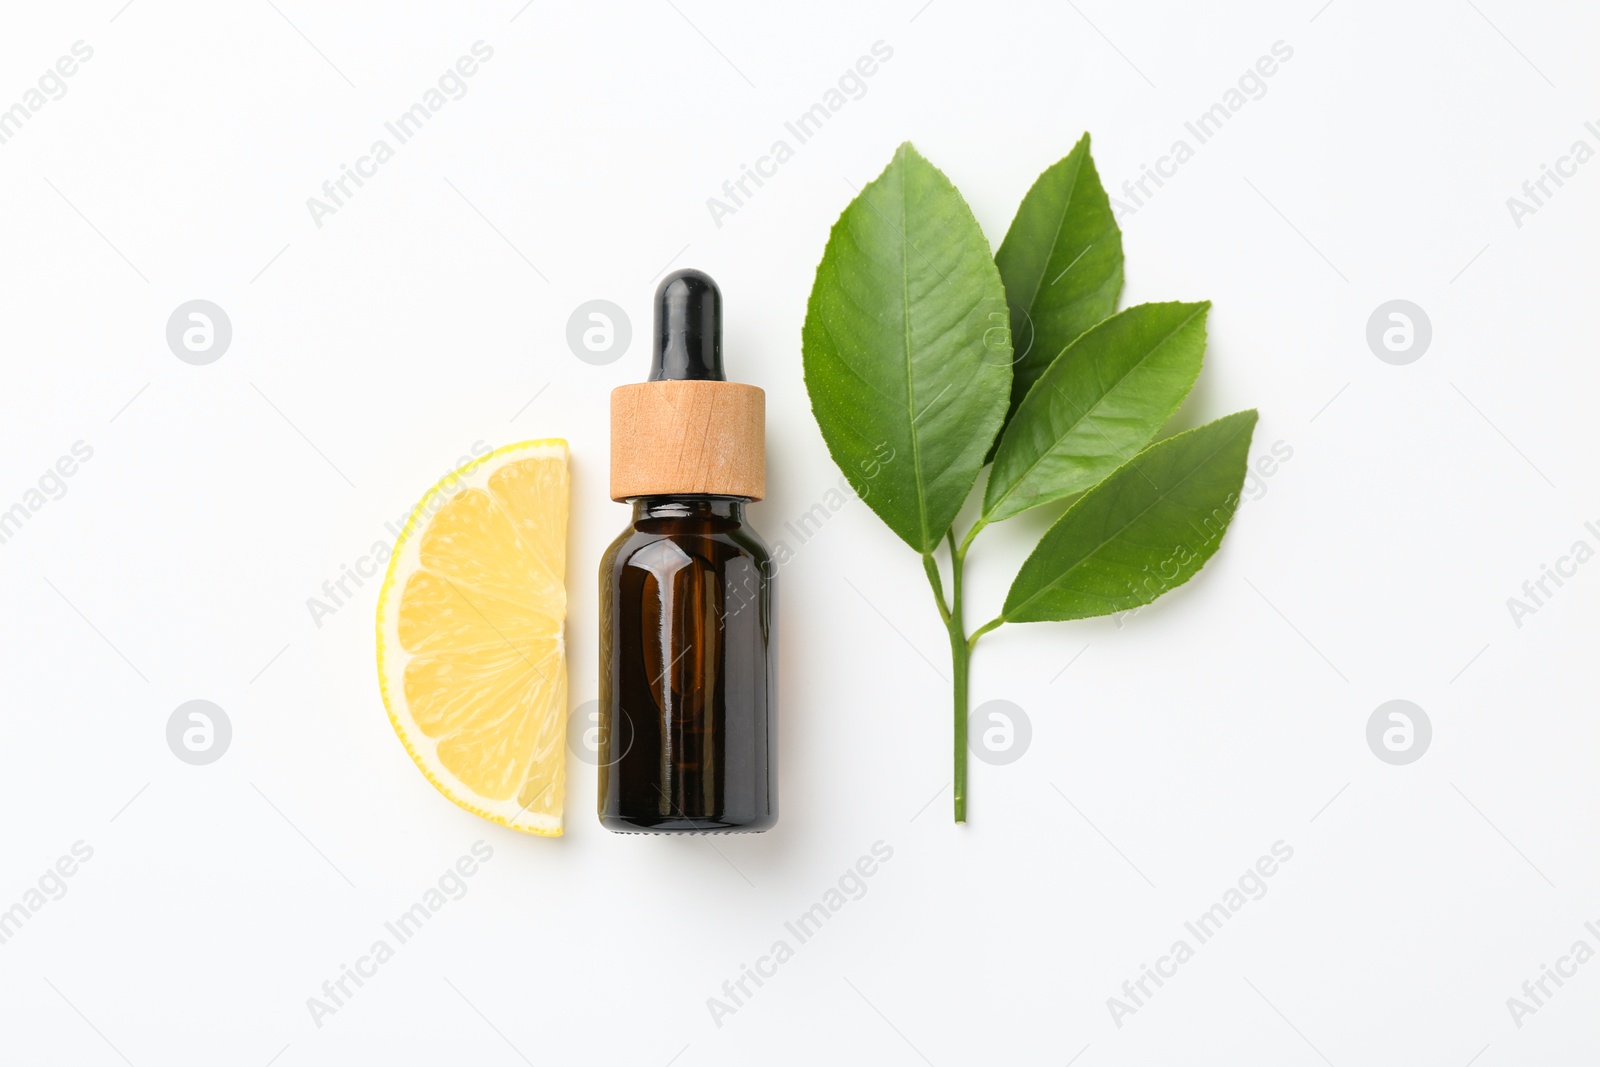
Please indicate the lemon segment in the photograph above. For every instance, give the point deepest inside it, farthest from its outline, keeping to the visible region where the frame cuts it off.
(471, 656)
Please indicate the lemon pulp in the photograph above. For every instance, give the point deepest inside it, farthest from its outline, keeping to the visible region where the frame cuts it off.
(471, 659)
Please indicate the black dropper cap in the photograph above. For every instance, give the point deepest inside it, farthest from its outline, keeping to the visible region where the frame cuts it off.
(688, 329)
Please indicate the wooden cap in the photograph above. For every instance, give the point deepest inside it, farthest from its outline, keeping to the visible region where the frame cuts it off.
(701, 438)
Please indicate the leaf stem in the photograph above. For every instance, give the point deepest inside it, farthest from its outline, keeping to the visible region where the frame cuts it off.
(931, 567)
(960, 660)
(960, 650)
(966, 542)
(960, 657)
(992, 624)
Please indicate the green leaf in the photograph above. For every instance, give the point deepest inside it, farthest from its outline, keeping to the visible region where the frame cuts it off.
(1095, 407)
(1146, 529)
(1062, 265)
(907, 355)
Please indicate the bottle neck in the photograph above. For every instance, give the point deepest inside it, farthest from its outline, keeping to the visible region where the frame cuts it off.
(730, 508)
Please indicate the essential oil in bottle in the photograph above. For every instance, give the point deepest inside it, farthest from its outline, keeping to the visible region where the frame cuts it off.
(688, 698)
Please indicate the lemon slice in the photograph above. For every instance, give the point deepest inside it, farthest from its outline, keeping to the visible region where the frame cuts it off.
(471, 659)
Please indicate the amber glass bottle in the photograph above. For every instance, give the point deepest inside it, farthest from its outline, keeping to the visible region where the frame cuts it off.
(688, 723)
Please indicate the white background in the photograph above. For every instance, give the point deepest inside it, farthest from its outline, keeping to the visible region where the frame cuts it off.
(422, 317)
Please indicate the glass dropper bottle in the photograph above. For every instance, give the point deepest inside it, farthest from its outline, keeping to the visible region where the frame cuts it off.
(688, 700)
